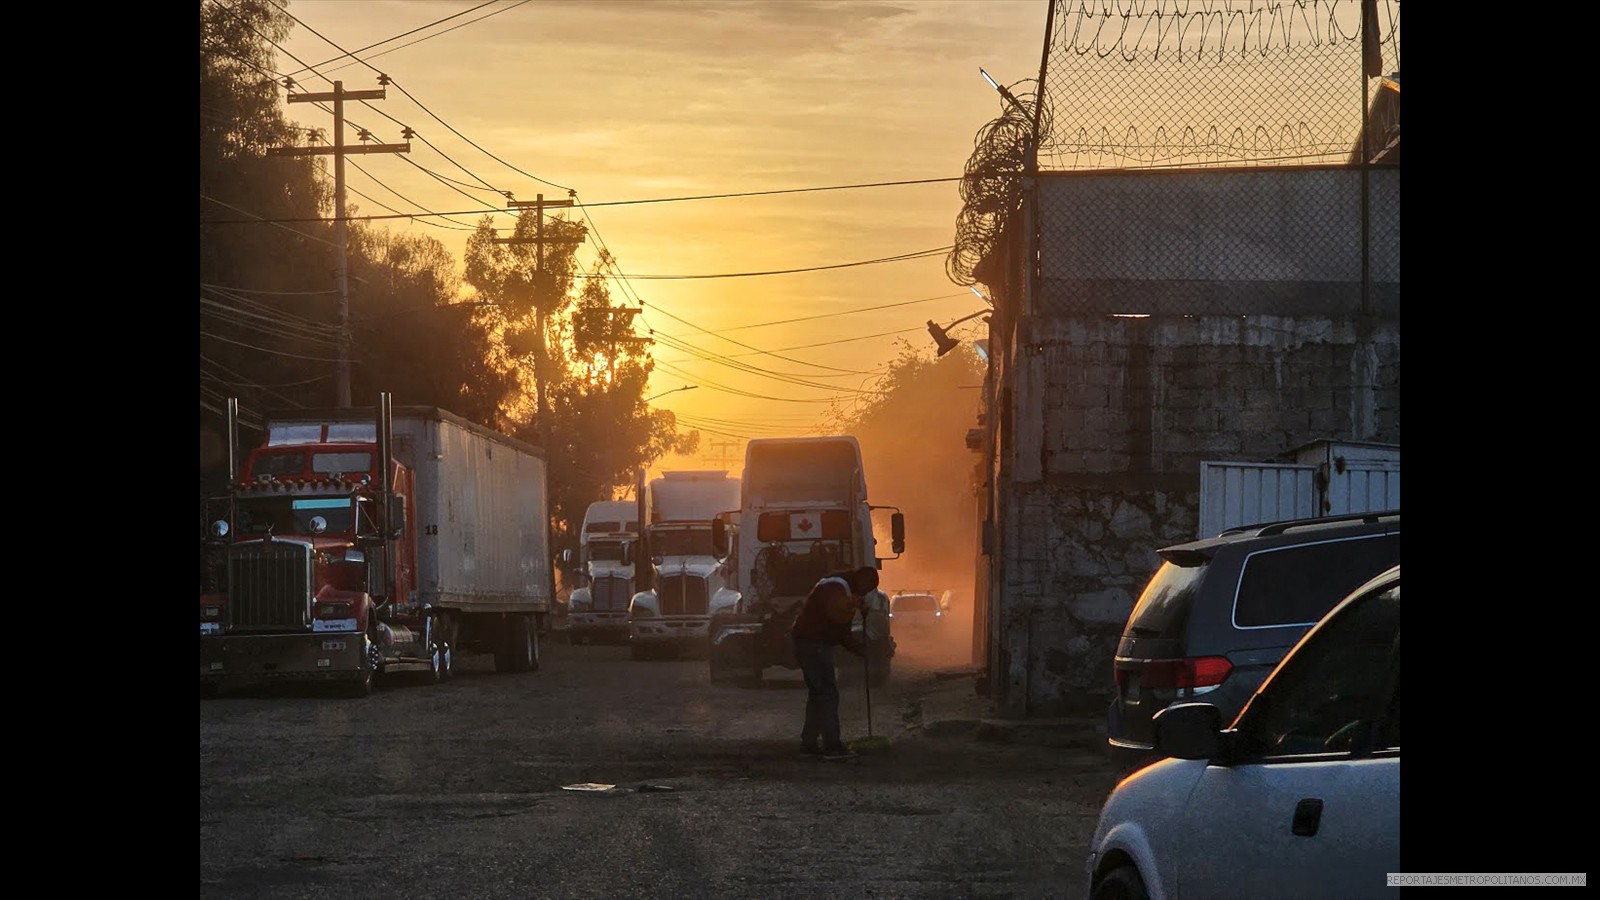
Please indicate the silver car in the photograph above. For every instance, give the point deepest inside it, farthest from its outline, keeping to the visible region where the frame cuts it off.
(1300, 797)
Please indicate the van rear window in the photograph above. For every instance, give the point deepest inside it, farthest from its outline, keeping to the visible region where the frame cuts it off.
(1297, 585)
(1163, 608)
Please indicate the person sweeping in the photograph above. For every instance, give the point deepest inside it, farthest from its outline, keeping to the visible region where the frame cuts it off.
(823, 624)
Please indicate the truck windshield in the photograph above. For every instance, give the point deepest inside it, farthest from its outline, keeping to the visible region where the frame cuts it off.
(605, 551)
(290, 515)
(681, 542)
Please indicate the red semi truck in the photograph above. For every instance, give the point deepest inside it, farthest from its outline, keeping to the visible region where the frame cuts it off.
(359, 543)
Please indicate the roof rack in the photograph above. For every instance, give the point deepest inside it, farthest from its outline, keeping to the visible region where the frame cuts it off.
(1264, 529)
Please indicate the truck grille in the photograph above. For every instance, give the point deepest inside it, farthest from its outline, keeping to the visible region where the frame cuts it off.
(610, 593)
(682, 595)
(269, 586)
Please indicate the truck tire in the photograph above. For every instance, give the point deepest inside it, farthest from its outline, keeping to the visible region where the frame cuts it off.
(441, 663)
(362, 686)
(516, 649)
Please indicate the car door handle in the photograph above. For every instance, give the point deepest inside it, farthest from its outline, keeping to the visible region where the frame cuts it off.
(1307, 816)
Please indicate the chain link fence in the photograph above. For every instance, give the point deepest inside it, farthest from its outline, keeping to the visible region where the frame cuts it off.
(1197, 158)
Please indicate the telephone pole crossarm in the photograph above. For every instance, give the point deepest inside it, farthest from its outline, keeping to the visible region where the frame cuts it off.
(337, 94)
(329, 151)
(538, 240)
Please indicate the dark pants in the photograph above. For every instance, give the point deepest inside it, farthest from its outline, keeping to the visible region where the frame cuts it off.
(822, 694)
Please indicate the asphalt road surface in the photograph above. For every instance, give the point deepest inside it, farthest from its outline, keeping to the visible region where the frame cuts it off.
(457, 791)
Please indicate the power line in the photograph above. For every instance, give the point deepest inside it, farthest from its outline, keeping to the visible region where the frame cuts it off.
(397, 37)
(247, 212)
(396, 86)
(837, 187)
(937, 251)
(739, 393)
(846, 312)
(240, 290)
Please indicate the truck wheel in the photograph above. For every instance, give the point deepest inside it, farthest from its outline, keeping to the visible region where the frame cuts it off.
(1121, 883)
(518, 648)
(440, 663)
(533, 649)
(362, 686)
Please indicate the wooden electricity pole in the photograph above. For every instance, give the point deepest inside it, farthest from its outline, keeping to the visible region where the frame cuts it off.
(338, 151)
(725, 458)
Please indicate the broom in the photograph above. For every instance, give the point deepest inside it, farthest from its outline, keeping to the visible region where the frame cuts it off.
(868, 744)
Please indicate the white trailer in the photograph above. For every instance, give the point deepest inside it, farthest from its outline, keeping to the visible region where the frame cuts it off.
(483, 533)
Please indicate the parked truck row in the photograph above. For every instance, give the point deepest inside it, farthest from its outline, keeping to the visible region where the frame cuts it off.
(354, 544)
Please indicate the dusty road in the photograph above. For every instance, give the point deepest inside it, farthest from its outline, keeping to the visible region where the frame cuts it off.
(455, 791)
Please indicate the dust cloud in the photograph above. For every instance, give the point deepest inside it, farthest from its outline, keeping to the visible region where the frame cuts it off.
(914, 450)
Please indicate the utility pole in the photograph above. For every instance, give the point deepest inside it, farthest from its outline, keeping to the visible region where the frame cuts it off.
(539, 240)
(338, 151)
(726, 457)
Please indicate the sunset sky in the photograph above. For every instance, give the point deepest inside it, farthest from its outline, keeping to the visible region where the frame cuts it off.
(635, 102)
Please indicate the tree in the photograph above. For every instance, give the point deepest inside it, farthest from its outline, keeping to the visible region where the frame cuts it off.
(269, 301)
(264, 288)
(601, 432)
(409, 339)
(912, 432)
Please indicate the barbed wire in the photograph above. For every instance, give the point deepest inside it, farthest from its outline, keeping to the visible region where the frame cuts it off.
(991, 188)
(1176, 84)
(1171, 83)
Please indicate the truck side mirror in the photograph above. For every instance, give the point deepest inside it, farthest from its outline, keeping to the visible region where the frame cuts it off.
(897, 528)
(566, 557)
(719, 537)
(397, 515)
(627, 553)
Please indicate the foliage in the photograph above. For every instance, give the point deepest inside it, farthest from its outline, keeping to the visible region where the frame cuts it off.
(270, 300)
(269, 297)
(595, 427)
(913, 446)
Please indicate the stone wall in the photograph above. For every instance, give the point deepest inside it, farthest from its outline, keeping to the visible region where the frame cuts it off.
(1112, 421)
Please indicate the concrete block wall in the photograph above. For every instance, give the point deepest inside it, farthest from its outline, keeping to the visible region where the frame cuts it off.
(1112, 421)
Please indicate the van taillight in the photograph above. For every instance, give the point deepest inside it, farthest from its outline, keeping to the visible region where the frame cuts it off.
(1194, 672)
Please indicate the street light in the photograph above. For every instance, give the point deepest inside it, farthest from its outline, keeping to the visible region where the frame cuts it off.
(946, 342)
(687, 387)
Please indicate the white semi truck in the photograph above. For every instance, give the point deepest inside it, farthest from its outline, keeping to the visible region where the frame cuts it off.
(597, 610)
(689, 583)
(803, 513)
